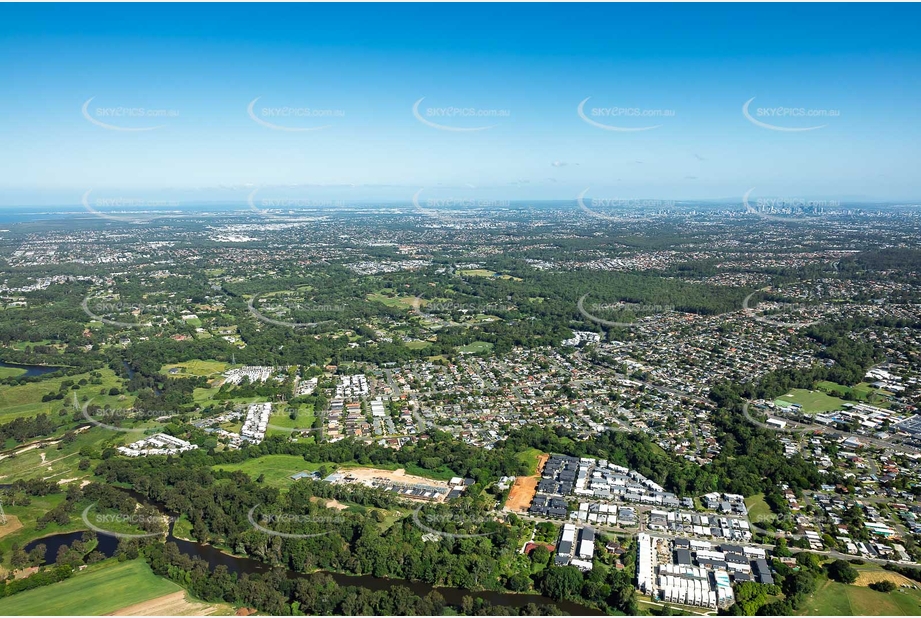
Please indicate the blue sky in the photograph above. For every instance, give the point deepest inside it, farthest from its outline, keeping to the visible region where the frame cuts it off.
(689, 69)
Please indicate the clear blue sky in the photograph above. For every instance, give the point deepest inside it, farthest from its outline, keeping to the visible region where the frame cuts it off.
(371, 63)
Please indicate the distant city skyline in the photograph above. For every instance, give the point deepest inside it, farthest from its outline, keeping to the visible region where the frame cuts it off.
(463, 102)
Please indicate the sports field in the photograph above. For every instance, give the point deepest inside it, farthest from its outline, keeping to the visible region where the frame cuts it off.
(812, 401)
(99, 590)
(477, 347)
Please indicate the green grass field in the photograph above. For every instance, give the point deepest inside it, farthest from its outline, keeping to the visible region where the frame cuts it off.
(758, 509)
(482, 272)
(812, 401)
(28, 515)
(26, 399)
(834, 599)
(61, 460)
(405, 302)
(417, 345)
(276, 468)
(196, 368)
(861, 392)
(530, 456)
(11, 372)
(477, 347)
(99, 590)
(279, 421)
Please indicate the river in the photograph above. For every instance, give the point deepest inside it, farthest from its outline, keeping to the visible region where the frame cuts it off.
(239, 565)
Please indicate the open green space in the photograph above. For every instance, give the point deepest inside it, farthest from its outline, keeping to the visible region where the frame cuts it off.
(483, 272)
(60, 461)
(758, 509)
(861, 392)
(11, 372)
(276, 468)
(477, 347)
(812, 400)
(195, 368)
(394, 300)
(281, 420)
(26, 399)
(530, 456)
(834, 599)
(28, 515)
(98, 590)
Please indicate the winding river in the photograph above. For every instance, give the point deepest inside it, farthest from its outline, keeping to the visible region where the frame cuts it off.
(239, 565)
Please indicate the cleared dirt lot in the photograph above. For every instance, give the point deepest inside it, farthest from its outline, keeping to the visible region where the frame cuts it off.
(174, 604)
(522, 492)
(397, 476)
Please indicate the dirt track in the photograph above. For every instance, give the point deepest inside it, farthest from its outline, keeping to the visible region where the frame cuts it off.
(174, 604)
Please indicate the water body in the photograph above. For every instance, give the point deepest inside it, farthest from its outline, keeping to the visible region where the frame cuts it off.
(239, 565)
(32, 371)
(107, 544)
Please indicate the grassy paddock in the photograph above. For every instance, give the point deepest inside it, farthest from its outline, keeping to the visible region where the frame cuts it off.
(96, 591)
(195, 368)
(276, 468)
(26, 399)
(834, 599)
